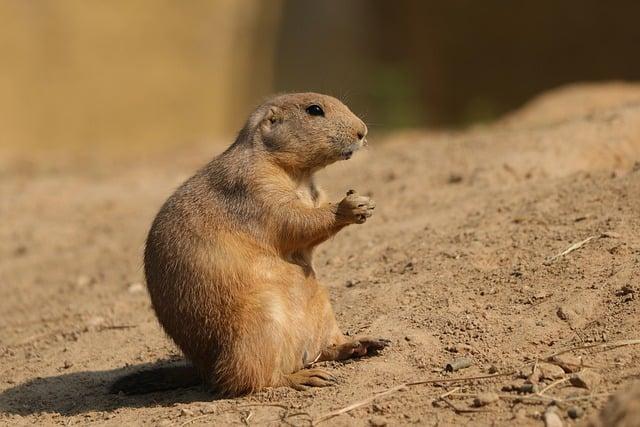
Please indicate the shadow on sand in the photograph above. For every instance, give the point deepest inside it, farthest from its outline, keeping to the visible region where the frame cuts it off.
(80, 392)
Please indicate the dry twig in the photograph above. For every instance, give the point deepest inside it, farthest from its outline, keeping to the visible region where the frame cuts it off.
(570, 249)
(358, 404)
(606, 346)
(403, 386)
(553, 384)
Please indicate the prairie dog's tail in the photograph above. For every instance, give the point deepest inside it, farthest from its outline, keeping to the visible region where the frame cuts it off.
(157, 379)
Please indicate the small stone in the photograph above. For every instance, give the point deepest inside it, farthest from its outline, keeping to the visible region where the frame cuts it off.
(484, 399)
(550, 371)
(566, 314)
(625, 290)
(350, 283)
(493, 369)
(535, 376)
(135, 288)
(20, 250)
(454, 178)
(585, 379)
(378, 421)
(528, 388)
(568, 363)
(184, 412)
(575, 412)
(552, 419)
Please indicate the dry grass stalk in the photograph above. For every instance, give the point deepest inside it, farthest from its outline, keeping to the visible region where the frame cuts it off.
(570, 249)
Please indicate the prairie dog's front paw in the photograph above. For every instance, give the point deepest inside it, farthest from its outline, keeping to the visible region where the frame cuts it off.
(355, 208)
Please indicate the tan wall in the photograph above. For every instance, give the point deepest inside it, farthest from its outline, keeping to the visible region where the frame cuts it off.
(94, 72)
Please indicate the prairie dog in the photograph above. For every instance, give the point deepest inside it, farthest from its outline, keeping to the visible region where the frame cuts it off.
(228, 259)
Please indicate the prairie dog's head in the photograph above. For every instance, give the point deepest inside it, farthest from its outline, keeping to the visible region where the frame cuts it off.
(307, 131)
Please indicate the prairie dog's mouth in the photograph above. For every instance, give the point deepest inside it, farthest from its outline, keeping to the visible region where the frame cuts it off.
(346, 155)
(349, 150)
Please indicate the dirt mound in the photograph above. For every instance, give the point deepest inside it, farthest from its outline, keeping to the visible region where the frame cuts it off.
(505, 244)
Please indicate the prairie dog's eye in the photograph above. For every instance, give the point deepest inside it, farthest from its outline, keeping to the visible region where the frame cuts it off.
(315, 110)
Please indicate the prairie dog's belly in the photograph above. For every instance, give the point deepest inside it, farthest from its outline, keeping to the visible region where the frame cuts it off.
(295, 304)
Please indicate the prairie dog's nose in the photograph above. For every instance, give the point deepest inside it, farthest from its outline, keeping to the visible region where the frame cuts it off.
(362, 131)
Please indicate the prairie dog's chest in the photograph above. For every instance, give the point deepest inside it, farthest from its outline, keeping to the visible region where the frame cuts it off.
(309, 194)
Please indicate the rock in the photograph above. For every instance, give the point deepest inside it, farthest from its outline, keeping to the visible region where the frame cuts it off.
(484, 399)
(550, 371)
(566, 313)
(575, 412)
(568, 363)
(625, 290)
(551, 418)
(135, 288)
(585, 379)
(454, 178)
(184, 412)
(460, 348)
(457, 364)
(377, 421)
(535, 377)
(528, 388)
(576, 316)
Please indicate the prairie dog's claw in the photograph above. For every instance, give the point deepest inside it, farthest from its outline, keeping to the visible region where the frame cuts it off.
(355, 209)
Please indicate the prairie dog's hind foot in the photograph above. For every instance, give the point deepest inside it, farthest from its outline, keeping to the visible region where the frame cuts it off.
(355, 208)
(305, 378)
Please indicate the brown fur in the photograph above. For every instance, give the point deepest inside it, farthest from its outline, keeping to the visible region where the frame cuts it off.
(228, 259)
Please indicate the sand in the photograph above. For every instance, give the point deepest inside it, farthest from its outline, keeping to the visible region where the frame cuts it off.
(457, 261)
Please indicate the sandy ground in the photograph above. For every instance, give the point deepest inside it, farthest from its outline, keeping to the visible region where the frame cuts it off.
(456, 262)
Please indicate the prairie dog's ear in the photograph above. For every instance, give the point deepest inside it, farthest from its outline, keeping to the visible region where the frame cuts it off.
(270, 119)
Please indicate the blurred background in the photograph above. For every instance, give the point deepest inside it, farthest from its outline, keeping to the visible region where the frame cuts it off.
(83, 74)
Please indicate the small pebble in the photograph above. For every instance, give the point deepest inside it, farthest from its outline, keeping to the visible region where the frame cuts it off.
(552, 419)
(378, 421)
(184, 412)
(484, 399)
(550, 371)
(568, 363)
(528, 388)
(457, 364)
(575, 412)
(585, 379)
